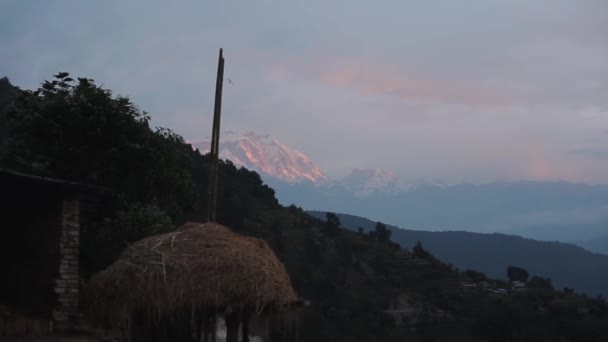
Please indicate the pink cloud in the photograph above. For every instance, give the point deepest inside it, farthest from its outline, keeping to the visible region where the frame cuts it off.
(279, 72)
(371, 80)
(537, 166)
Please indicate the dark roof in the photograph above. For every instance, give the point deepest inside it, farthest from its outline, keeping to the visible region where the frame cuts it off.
(13, 180)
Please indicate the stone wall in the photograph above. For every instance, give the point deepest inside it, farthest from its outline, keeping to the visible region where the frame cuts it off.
(68, 281)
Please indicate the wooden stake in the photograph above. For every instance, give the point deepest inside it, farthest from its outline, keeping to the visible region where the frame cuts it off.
(215, 141)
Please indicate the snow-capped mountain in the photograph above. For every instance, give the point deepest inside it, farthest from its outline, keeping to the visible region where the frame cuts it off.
(540, 210)
(280, 165)
(267, 156)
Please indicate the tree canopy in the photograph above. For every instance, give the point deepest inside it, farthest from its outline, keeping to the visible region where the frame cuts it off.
(79, 131)
(517, 274)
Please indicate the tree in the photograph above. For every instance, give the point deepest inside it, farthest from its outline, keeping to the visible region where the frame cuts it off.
(105, 240)
(537, 282)
(475, 276)
(420, 252)
(383, 234)
(277, 236)
(332, 224)
(517, 274)
(8, 92)
(76, 130)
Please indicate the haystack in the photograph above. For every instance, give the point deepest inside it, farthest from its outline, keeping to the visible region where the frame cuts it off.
(199, 268)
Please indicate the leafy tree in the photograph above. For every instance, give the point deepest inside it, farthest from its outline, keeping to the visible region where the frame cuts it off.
(8, 92)
(383, 234)
(599, 305)
(475, 276)
(517, 274)
(277, 236)
(332, 224)
(75, 130)
(78, 131)
(106, 239)
(540, 283)
(420, 252)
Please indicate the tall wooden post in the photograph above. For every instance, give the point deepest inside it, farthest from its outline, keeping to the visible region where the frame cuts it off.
(215, 140)
(245, 327)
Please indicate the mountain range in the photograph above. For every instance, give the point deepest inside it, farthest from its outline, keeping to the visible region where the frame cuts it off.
(542, 210)
(277, 162)
(566, 264)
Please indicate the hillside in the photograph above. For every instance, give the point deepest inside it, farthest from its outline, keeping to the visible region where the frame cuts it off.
(356, 282)
(566, 264)
(357, 286)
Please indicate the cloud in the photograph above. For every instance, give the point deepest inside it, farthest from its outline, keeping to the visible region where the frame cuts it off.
(279, 72)
(450, 91)
(370, 79)
(539, 166)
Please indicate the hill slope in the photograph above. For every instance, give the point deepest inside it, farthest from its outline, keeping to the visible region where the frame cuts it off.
(566, 264)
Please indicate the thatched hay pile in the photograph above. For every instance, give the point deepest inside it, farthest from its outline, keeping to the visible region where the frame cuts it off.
(199, 267)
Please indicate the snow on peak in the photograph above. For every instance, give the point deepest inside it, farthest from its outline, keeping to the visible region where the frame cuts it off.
(266, 155)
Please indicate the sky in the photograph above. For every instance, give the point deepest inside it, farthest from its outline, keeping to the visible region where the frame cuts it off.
(474, 91)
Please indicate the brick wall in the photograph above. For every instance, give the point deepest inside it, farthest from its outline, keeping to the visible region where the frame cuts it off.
(67, 284)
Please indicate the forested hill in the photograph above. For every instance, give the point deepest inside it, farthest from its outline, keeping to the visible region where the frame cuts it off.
(566, 264)
(360, 286)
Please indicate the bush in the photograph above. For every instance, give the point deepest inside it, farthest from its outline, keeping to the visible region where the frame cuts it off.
(103, 242)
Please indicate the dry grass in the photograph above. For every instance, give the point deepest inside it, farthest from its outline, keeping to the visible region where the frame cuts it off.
(199, 267)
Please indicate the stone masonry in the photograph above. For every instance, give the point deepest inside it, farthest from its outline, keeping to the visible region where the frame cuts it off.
(67, 283)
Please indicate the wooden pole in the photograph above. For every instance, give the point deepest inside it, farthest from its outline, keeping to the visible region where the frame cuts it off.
(215, 140)
(245, 327)
(232, 327)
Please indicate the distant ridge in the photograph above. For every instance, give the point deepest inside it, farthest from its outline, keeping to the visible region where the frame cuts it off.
(566, 264)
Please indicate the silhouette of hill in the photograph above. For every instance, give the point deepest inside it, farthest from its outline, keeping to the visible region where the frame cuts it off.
(566, 264)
